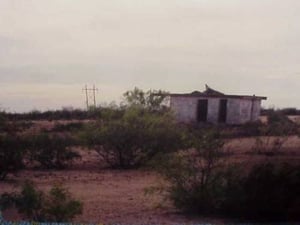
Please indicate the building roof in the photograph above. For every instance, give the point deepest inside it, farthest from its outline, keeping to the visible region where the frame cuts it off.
(211, 93)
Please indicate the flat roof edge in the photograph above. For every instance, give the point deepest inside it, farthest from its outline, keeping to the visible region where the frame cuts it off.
(219, 96)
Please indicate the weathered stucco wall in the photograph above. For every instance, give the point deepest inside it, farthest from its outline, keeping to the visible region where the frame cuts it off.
(256, 110)
(213, 110)
(233, 111)
(245, 110)
(239, 111)
(185, 109)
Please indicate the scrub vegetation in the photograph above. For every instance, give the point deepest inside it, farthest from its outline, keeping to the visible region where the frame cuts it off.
(55, 206)
(203, 172)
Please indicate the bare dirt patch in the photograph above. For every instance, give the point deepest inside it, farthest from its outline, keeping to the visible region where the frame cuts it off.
(108, 196)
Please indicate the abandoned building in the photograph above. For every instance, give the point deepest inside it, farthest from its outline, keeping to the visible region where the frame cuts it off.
(212, 106)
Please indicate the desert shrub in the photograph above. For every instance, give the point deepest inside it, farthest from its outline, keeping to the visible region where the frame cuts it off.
(2, 121)
(51, 151)
(251, 129)
(269, 191)
(60, 206)
(11, 126)
(69, 127)
(134, 139)
(273, 135)
(194, 175)
(111, 112)
(11, 148)
(203, 181)
(279, 124)
(268, 145)
(57, 205)
(29, 201)
(63, 114)
(11, 154)
(5, 126)
(290, 111)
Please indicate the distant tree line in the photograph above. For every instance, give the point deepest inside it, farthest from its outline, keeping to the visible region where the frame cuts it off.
(285, 111)
(62, 114)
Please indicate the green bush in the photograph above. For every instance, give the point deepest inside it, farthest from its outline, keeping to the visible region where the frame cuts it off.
(203, 181)
(55, 206)
(268, 191)
(11, 154)
(274, 134)
(112, 112)
(51, 151)
(12, 148)
(29, 201)
(194, 175)
(68, 127)
(60, 206)
(63, 114)
(279, 124)
(251, 129)
(153, 100)
(2, 121)
(134, 139)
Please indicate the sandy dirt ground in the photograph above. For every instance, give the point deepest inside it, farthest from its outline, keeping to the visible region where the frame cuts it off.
(109, 196)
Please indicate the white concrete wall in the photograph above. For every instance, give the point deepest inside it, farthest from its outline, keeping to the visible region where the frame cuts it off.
(238, 110)
(233, 111)
(213, 110)
(256, 110)
(185, 108)
(245, 110)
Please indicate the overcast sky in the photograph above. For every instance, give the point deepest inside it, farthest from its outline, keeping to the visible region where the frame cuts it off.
(49, 49)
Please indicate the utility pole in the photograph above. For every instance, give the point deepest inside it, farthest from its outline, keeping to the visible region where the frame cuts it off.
(94, 93)
(87, 96)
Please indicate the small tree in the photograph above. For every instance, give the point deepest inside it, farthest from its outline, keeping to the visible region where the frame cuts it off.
(195, 175)
(134, 139)
(151, 100)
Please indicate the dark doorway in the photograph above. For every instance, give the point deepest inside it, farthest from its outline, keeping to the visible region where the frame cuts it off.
(202, 110)
(222, 111)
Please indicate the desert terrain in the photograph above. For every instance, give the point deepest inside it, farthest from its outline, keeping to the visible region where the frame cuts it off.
(120, 196)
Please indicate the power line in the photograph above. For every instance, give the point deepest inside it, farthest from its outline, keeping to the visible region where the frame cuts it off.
(87, 96)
